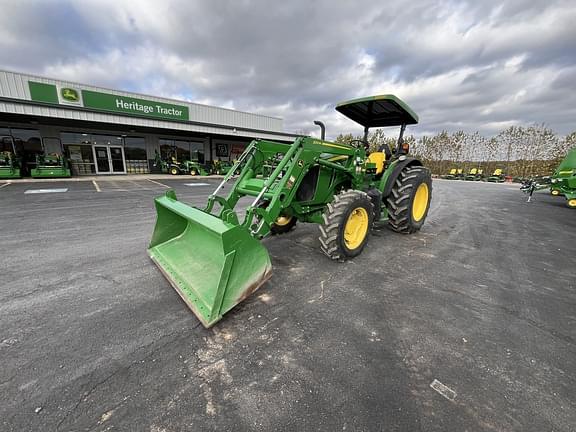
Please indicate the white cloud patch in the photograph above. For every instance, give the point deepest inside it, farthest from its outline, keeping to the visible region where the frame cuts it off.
(460, 65)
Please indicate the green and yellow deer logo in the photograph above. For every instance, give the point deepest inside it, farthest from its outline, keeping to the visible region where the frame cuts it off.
(70, 95)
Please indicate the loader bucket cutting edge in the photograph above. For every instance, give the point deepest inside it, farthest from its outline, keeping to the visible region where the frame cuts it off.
(212, 264)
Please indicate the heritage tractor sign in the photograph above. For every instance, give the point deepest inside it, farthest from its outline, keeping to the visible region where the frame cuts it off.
(100, 101)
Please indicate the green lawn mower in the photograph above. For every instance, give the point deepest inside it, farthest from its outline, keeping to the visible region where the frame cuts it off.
(497, 176)
(475, 174)
(452, 174)
(52, 162)
(213, 257)
(563, 182)
(9, 161)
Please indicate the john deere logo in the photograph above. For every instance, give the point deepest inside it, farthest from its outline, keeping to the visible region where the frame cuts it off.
(70, 95)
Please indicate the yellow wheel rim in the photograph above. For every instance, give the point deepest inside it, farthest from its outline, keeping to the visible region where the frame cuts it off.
(174, 171)
(283, 220)
(572, 203)
(420, 203)
(555, 192)
(356, 228)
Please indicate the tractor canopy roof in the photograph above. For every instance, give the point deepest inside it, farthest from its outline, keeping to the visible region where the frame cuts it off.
(378, 111)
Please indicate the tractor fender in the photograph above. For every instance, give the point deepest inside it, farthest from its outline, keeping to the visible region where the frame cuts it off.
(409, 161)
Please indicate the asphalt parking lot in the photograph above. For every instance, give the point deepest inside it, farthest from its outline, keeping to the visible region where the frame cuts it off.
(482, 300)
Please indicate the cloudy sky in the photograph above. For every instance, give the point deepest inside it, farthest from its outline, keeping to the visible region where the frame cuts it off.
(477, 65)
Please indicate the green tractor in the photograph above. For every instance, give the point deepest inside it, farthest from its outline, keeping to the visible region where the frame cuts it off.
(453, 174)
(213, 257)
(52, 162)
(173, 166)
(475, 174)
(196, 166)
(9, 161)
(220, 167)
(497, 176)
(563, 181)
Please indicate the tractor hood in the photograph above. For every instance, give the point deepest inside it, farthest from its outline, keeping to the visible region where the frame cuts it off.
(568, 165)
(378, 111)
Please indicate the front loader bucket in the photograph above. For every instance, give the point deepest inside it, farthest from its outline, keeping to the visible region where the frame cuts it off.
(212, 264)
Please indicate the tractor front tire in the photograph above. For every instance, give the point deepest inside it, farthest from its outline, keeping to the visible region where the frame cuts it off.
(283, 225)
(409, 200)
(347, 223)
(193, 172)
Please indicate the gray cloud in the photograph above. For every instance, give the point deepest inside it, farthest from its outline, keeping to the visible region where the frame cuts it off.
(460, 65)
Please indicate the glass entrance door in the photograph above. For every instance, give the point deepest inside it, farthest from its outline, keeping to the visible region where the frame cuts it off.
(117, 160)
(101, 158)
(109, 159)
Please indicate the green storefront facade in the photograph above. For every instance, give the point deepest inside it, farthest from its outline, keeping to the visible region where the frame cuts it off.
(107, 132)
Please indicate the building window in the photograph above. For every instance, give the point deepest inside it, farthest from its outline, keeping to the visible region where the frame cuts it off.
(52, 145)
(28, 146)
(78, 148)
(135, 152)
(197, 151)
(182, 150)
(5, 142)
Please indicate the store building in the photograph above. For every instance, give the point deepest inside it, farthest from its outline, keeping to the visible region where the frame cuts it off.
(106, 131)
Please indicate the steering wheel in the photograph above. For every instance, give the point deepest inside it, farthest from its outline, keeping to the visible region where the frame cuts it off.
(358, 142)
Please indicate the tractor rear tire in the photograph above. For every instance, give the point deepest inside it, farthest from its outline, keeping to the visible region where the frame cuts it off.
(347, 223)
(283, 225)
(174, 171)
(409, 200)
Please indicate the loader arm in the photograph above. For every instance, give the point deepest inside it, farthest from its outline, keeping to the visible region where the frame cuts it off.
(276, 193)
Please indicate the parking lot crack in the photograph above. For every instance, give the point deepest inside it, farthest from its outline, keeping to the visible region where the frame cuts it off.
(139, 360)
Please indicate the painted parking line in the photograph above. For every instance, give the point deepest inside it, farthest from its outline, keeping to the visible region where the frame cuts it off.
(4, 185)
(96, 186)
(43, 191)
(158, 183)
(196, 184)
